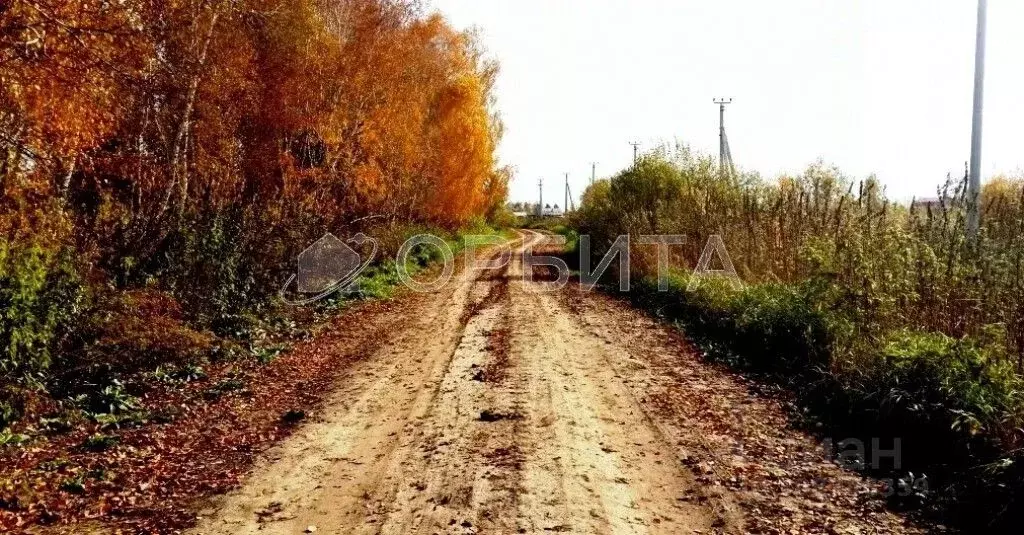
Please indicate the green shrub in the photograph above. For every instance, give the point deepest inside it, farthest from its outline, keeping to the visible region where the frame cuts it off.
(267, 354)
(956, 403)
(766, 328)
(948, 379)
(61, 422)
(73, 485)
(121, 420)
(211, 270)
(114, 399)
(41, 296)
(959, 384)
(780, 329)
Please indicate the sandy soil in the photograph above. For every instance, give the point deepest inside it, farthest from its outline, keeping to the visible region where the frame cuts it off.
(502, 407)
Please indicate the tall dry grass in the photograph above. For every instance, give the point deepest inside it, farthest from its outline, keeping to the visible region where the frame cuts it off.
(882, 316)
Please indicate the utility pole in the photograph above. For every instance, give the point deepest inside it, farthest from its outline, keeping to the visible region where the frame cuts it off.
(974, 187)
(636, 149)
(723, 147)
(593, 172)
(565, 206)
(540, 202)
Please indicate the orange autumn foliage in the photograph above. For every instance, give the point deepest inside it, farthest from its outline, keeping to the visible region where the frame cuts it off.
(152, 108)
(190, 149)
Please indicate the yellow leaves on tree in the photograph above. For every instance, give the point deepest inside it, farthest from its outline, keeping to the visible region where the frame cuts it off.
(466, 151)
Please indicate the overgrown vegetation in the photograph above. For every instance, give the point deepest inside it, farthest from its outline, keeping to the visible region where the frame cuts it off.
(162, 165)
(882, 317)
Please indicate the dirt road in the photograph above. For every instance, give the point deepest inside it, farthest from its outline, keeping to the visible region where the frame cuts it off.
(500, 408)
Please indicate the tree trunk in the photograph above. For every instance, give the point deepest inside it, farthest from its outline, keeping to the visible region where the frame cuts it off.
(178, 168)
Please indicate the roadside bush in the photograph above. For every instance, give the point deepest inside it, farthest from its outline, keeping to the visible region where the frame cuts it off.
(211, 271)
(41, 296)
(765, 328)
(965, 386)
(779, 329)
(136, 330)
(503, 218)
(953, 403)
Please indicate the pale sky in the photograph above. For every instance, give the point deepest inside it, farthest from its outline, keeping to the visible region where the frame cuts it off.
(872, 86)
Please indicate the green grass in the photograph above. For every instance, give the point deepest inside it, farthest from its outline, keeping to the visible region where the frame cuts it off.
(382, 280)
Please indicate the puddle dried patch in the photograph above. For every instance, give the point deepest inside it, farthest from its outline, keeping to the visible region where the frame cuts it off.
(488, 415)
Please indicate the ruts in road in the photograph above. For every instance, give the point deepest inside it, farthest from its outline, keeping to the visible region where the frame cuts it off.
(504, 405)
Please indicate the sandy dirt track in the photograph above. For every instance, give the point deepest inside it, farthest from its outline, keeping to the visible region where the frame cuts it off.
(501, 408)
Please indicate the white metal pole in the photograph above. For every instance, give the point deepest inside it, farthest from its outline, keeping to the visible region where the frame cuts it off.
(540, 197)
(974, 189)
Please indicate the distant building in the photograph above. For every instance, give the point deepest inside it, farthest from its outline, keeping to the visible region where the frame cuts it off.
(524, 210)
(553, 211)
